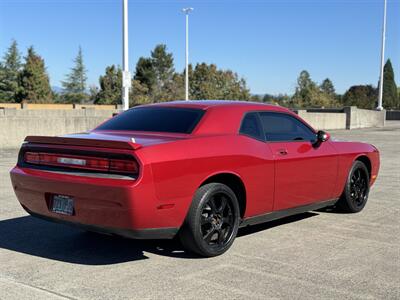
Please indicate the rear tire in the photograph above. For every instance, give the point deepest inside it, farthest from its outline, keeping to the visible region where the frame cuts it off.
(212, 222)
(355, 194)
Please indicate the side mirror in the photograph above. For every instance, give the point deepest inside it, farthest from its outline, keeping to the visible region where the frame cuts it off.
(322, 136)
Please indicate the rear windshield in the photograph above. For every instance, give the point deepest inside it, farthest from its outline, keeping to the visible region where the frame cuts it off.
(158, 119)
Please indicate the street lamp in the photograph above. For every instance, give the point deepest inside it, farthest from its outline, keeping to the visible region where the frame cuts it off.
(380, 107)
(186, 11)
(126, 75)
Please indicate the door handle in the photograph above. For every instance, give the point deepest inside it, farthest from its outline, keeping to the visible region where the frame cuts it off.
(282, 152)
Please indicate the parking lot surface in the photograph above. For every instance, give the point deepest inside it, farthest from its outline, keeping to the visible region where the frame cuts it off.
(310, 256)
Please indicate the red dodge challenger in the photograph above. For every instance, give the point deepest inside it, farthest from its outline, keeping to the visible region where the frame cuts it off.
(197, 169)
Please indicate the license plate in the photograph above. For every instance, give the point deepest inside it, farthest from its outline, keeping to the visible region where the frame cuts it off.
(62, 205)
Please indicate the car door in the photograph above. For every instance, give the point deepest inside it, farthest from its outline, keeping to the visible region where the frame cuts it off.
(304, 173)
(259, 171)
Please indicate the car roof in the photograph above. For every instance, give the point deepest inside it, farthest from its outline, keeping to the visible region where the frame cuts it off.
(205, 104)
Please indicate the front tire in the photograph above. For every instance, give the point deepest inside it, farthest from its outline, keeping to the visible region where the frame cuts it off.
(355, 194)
(212, 222)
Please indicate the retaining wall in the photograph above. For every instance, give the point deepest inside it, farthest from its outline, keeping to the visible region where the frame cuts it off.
(16, 124)
(349, 117)
(363, 118)
(58, 106)
(327, 121)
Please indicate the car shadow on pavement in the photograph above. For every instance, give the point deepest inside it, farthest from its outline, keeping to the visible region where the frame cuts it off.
(68, 244)
(65, 243)
(268, 225)
(333, 210)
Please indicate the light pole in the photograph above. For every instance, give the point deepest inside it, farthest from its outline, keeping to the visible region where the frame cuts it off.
(126, 75)
(380, 107)
(187, 11)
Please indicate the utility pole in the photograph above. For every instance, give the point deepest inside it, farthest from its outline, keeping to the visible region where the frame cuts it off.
(380, 107)
(126, 75)
(187, 11)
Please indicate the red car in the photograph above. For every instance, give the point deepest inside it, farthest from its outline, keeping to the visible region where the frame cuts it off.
(199, 169)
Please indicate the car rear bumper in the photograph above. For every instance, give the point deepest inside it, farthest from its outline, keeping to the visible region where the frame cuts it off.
(115, 206)
(147, 233)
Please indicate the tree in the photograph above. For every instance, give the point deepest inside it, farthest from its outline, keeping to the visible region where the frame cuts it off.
(173, 89)
(281, 99)
(110, 86)
(75, 83)
(268, 98)
(208, 82)
(328, 92)
(93, 92)
(398, 93)
(308, 94)
(56, 97)
(34, 80)
(139, 94)
(256, 98)
(305, 91)
(9, 74)
(163, 66)
(327, 87)
(145, 73)
(155, 80)
(390, 96)
(156, 73)
(362, 96)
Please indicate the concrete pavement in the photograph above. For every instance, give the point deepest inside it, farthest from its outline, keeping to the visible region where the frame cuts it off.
(310, 256)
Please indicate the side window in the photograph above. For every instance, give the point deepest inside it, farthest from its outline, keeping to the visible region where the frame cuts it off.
(251, 126)
(283, 127)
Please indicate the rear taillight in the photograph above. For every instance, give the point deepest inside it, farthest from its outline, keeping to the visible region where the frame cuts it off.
(119, 165)
(32, 158)
(82, 162)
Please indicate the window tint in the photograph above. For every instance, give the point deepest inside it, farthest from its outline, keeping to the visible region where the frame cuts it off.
(283, 127)
(251, 127)
(157, 119)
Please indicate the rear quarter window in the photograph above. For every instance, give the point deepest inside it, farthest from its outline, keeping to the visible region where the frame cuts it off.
(156, 119)
(251, 126)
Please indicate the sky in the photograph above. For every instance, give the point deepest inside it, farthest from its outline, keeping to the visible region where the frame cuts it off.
(267, 42)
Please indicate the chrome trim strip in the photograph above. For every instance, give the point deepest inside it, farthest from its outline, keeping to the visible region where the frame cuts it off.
(93, 175)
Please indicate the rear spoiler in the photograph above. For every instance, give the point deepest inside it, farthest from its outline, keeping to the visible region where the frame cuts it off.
(82, 142)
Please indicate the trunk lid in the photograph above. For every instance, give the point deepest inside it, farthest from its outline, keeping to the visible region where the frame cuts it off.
(117, 140)
(109, 153)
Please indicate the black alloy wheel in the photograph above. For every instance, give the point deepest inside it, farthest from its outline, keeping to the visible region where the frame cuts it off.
(212, 222)
(358, 187)
(356, 191)
(217, 220)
